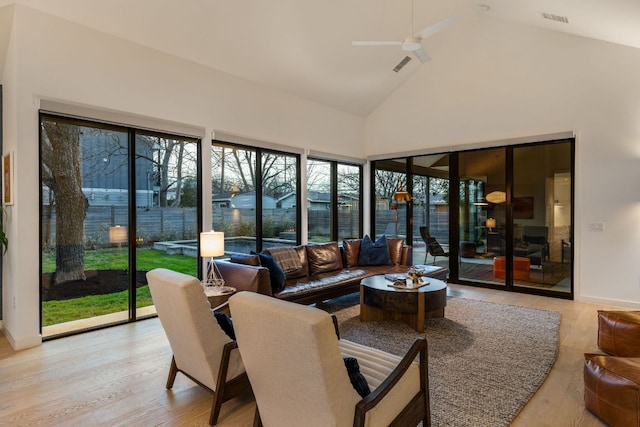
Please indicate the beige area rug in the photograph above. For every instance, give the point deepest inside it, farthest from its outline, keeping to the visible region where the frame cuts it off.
(486, 360)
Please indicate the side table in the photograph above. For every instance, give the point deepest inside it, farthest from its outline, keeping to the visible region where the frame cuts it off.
(218, 298)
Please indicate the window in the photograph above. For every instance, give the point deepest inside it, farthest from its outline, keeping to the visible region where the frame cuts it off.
(333, 200)
(255, 199)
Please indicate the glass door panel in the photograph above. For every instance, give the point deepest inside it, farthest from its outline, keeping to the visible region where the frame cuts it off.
(390, 219)
(542, 216)
(482, 193)
(166, 210)
(431, 210)
(84, 223)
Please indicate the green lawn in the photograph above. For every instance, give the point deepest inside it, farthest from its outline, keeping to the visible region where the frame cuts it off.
(54, 312)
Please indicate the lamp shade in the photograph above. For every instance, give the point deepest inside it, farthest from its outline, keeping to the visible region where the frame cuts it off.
(496, 197)
(491, 223)
(117, 234)
(211, 243)
(402, 196)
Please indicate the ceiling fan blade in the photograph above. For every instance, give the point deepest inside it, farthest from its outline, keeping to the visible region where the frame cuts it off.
(442, 25)
(375, 43)
(422, 55)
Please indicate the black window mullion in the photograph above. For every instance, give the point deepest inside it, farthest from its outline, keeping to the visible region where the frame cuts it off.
(334, 201)
(259, 200)
(132, 223)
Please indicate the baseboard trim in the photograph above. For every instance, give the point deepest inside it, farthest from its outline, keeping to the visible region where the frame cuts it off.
(607, 301)
(23, 343)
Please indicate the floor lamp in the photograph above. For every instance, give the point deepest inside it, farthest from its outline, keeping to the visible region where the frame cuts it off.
(212, 245)
(400, 196)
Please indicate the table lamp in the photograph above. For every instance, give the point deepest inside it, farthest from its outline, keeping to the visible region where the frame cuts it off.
(118, 235)
(491, 223)
(212, 245)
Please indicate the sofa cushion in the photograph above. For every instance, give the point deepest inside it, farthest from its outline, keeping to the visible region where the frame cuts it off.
(351, 249)
(276, 274)
(324, 257)
(301, 250)
(245, 259)
(395, 249)
(374, 253)
(287, 259)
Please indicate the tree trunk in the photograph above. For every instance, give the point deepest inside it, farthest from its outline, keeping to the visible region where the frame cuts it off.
(63, 163)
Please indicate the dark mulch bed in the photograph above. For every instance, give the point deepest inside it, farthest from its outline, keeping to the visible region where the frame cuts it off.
(98, 282)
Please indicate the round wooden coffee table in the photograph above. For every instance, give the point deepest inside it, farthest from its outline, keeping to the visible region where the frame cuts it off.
(380, 301)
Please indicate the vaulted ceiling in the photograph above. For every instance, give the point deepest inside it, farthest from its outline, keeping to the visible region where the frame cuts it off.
(304, 46)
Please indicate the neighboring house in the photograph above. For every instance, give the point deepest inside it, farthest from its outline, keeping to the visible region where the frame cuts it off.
(105, 173)
(241, 200)
(318, 201)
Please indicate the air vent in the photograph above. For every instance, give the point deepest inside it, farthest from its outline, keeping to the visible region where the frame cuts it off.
(402, 63)
(555, 17)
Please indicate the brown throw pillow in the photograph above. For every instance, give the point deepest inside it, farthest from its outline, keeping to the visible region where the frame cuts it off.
(351, 251)
(395, 249)
(324, 257)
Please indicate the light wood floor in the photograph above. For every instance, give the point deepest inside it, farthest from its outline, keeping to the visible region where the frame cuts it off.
(117, 376)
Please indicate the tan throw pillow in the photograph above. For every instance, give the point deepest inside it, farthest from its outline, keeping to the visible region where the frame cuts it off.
(287, 256)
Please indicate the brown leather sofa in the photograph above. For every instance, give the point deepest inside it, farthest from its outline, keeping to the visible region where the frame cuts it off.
(325, 270)
(612, 380)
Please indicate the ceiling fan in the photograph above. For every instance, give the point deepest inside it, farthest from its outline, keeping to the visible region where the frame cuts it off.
(413, 43)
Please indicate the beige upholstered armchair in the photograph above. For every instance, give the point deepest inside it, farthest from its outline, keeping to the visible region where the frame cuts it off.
(294, 359)
(201, 350)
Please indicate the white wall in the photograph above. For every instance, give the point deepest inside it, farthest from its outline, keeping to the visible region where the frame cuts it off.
(52, 59)
(515, 81)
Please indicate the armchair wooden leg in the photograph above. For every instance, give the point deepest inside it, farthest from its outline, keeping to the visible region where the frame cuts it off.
(257, 422)
(172, 373)
(215, 407)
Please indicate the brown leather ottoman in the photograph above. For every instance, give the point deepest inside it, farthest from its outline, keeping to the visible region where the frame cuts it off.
(612, 390)
(619, 333)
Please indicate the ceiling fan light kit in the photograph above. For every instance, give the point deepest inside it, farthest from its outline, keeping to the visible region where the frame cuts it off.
(411, 43)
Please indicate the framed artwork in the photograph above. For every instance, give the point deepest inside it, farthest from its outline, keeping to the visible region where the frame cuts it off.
(523, 207)
(7, 178)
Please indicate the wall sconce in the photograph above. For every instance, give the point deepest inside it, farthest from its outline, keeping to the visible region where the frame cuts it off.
(212, 245)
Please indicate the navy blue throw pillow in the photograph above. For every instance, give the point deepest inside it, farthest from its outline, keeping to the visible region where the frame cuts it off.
(276, 273)
(374, 253)
(225, 323)
(358, 381)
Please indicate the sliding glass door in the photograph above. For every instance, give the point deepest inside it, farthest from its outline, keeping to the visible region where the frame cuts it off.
(116, 202)
(515, 217)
